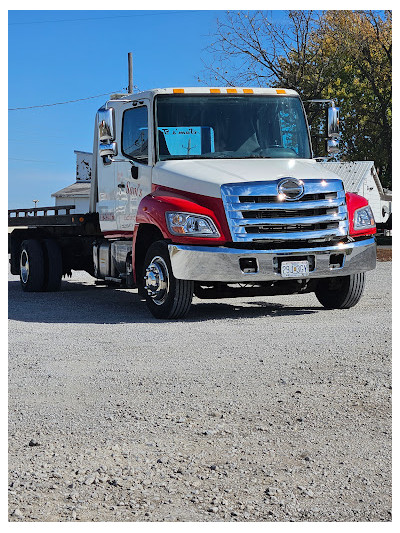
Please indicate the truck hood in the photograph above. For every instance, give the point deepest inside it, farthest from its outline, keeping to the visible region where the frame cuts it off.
(206, 176)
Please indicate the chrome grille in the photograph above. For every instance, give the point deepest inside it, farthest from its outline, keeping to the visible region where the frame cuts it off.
(255, 213)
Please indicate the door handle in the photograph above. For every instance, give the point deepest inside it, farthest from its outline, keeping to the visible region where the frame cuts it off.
(134, 172)
(121, 185)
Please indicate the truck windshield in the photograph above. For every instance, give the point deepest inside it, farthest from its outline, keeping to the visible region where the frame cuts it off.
(231, 127)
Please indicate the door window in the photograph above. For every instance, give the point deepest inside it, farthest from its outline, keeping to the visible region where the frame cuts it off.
(135, 134)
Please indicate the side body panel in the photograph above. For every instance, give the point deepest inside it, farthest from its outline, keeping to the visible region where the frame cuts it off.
(119, 194)
(129, 193)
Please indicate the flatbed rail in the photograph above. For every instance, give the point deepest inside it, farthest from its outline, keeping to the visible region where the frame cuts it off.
(39, 216)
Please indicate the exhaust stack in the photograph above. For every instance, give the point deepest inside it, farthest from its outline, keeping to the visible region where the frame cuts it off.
(130, 73)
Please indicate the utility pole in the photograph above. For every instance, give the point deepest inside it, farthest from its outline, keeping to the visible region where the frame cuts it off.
(130, 73)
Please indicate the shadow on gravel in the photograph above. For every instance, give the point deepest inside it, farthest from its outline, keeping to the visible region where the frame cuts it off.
(209, 311)
(84, 303)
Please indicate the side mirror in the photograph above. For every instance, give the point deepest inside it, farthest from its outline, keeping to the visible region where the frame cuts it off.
(332, 146)
(106, 122)
(332, 123)
(109, 149)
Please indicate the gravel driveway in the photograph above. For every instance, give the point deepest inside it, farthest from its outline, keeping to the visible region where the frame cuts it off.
(263, 409)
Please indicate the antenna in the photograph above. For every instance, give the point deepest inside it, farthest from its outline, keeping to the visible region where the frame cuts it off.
(130, 73)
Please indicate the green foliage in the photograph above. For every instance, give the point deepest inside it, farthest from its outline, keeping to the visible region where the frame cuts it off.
(341, 55)
(362, 84)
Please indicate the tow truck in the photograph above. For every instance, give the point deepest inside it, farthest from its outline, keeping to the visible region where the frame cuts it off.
(212, 192)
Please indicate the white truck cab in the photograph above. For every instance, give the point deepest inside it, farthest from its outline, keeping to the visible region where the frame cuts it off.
(215, 192)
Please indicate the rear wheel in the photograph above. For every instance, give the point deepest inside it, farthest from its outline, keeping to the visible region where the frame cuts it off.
(31, 266)
(341, 292)
(166, 296)
(52, 265)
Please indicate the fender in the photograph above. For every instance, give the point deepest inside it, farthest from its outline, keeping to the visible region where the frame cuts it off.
(153, 207)
(354, 202)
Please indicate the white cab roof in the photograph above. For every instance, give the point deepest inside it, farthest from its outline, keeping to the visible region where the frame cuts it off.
(208, 90)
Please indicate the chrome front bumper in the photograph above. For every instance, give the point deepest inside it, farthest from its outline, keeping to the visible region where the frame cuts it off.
(207, 263)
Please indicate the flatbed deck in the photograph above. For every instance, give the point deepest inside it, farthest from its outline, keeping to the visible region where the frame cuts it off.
(74, 233)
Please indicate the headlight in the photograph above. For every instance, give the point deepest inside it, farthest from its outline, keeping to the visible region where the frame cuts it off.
(363, 218)
(190, 224)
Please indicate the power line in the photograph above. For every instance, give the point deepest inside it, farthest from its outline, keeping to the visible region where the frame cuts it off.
(35, 141)
(31, 160)
(60, 103)
(108, 17)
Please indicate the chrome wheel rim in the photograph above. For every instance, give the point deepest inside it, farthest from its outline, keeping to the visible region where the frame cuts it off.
(24, 266)
(156, 280)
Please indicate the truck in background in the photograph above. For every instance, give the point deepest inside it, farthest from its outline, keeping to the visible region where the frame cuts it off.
(212, 192)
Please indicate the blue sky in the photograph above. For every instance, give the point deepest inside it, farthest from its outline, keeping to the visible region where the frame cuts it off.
(54, 57)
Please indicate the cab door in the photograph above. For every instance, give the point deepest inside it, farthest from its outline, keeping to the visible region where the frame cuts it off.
(133, 171)
(106, 194)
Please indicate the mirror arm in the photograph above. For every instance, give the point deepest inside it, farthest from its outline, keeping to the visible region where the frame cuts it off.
(134, 168)
(321, 101)
(122, 161)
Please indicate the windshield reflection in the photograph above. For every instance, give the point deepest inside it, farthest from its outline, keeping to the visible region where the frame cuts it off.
(231, 127)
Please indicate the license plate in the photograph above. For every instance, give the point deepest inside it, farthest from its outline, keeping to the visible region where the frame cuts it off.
(294, 269)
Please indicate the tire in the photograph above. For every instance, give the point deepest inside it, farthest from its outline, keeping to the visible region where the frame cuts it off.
(52, 265)
(341, 292)
(31, 266)
(140, 282)
(141, 290)
(166, 296)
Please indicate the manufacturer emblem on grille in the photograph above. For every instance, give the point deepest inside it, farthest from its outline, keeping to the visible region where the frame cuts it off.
(290, 189)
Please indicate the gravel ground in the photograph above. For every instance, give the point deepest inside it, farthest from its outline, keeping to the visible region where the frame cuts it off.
(263, 409)
(384, 253)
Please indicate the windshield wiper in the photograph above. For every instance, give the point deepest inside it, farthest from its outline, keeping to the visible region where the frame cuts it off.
(200, 156)
(255, 156)
(214, 156)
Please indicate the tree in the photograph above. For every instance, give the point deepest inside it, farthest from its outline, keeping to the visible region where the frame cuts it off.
(363, 84)
(345, 55)
(253, 48)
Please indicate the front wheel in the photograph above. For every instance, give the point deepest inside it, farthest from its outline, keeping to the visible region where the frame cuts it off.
(341, 292)
(166, 296)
